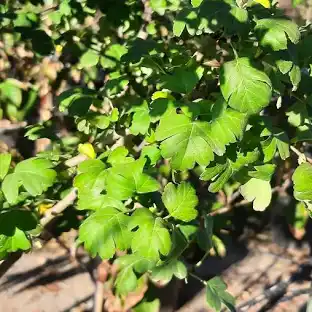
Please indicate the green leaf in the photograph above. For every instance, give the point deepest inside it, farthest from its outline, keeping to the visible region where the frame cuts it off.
(127, 280)
(257, 191)
(151, 238)
(35, 174)
(220, 172)
(152, 153)
(186, 141)
(165, 272)
(5, 161)
(196, 3)
(91, 177)
(88, 59)
(18, 241)
(152, 306)
(141, 119)
(123, 181)
(295, 76)
(119, 156)
(182, 80)
(282, 143)
(178, 27)
(263, 172)
(278, 141)
(302, 179)
(13, 219)
(244, 87)
(275, 32)
(10, 92)
(159, 6)
(226, 128)
(104, 231)
(180, 201)
(113, 55)
(67, 98)
(216, 294)
(204, 236)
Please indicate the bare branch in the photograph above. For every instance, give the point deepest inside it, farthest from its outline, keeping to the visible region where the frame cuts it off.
(72, 162)
(59, 207)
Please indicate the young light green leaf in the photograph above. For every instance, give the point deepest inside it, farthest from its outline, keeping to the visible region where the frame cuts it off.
(216, 295)
(244, 87)
(178, 27)
(302, 179)
(180, 201)
(5, 161)
(152, 237)
(35, 174)
(275, 31)
(104, 231)
(123, 180)
(257, 191)
(196, 3)
(159, 6)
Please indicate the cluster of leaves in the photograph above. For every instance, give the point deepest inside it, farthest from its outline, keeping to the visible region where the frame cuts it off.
(204, 96)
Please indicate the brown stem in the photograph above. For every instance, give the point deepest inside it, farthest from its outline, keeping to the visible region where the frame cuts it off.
(72, 162)
(59, 207)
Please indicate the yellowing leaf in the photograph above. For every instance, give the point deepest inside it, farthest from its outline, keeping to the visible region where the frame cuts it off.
(87, 149)
(257, 191)
(44, 207)
(264, 3)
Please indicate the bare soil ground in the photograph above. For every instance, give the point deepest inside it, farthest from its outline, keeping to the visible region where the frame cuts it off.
(49, 280)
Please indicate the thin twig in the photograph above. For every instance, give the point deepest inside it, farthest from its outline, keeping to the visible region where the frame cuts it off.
(59, 207)
(301, 155)
(8, 126)
(72, 162)
(102, 273)
(219, 211)
(197, 278)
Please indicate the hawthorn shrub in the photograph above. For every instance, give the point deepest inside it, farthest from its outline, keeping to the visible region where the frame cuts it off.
(167, 115)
